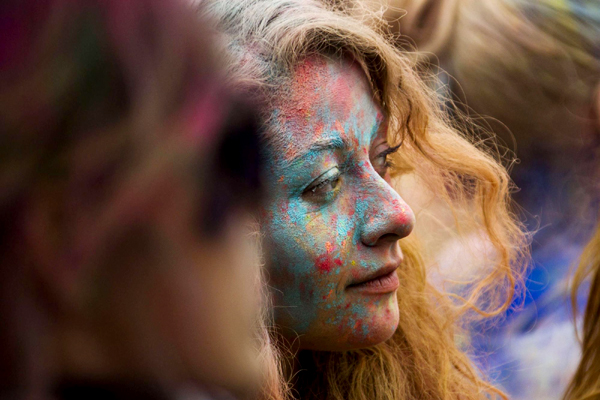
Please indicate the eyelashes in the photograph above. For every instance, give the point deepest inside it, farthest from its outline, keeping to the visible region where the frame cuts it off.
(324, 187)
(381, 162)
(390, 150)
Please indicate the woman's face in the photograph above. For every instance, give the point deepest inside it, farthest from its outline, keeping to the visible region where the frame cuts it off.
(332, 221)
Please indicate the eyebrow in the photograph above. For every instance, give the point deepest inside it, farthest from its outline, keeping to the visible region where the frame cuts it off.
(333, 143)
(324, 144)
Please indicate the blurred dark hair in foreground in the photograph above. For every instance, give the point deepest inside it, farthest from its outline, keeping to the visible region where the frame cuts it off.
(123, 157)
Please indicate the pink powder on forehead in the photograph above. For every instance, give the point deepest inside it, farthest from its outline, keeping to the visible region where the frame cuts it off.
(342, 88)
(314, 81)
(309, 71)
(308, 78)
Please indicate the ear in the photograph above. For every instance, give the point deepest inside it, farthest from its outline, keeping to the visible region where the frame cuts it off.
(429, 23)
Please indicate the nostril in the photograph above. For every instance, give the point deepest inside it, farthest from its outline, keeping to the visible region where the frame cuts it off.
(389, 238)
(380, 240)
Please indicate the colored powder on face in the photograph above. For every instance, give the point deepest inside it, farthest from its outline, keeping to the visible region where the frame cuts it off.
(324, 263)
(310, 236)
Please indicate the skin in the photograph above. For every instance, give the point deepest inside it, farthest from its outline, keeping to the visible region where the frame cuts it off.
(331, 219)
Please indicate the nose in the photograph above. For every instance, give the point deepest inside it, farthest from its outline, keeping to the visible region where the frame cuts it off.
(387, 218)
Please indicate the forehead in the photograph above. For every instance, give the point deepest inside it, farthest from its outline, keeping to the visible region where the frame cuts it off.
(324, 97)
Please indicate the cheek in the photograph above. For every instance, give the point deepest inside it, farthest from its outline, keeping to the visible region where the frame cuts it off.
(306, 251)
(297, 241)
(305, 242)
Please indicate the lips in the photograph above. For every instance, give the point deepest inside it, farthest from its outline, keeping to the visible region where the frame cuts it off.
(382, 281)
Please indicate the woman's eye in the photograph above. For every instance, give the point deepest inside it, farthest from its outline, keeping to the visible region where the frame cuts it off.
(324, 186)
(381, 163)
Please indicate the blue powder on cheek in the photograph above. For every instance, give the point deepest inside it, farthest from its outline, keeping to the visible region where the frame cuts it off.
(294, 292)
(300, 294)
(361, 208)
(344, 226)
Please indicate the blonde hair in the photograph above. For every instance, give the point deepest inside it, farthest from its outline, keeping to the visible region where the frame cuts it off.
(422, 360)
(585, 384)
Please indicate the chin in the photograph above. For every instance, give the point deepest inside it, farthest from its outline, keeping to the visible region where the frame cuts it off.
(375, 326)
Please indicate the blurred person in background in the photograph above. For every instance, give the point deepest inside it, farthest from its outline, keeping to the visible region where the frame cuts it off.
(127, 170)
(534, 67)
(585, 383)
